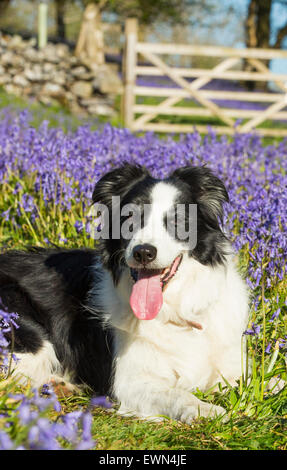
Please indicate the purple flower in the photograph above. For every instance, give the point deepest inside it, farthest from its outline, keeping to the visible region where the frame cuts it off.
(78, 226)
(5, 441)
(46, 390)
(253, 331)
(275, 315)
(7, 321)
(25, 413)
(41, 433)
(62, 239)
(6, 214)
(101, 401)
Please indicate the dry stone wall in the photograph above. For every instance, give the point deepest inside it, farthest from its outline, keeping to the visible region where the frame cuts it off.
(54, 74)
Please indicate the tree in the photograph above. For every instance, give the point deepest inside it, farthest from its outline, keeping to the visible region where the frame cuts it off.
(60, 13)
(175, 12)
(149, 11)
(258, 25)
(258, 28)
(3, 6)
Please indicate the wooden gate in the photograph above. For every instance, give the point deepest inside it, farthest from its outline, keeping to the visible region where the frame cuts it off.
(140, 116)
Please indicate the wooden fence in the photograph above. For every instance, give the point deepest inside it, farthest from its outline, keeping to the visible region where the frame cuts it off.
(139, 117)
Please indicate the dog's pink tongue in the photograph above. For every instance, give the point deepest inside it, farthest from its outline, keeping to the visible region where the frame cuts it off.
(146, 297)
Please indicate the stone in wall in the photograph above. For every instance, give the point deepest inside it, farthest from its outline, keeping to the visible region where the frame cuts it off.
(54, 74)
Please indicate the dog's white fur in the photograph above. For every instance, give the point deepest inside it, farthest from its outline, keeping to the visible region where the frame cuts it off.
(38, 368)
(160, 362)
(162, 199)
(41, 368)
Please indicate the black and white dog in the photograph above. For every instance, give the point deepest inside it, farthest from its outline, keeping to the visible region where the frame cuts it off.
(146, 319)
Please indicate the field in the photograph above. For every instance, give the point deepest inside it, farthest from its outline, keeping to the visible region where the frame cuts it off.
(47, 174)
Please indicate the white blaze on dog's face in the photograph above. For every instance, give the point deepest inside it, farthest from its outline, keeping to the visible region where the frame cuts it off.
(153, 253)
(154, 232)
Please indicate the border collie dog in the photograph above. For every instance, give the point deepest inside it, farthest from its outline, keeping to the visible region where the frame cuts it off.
(146, 318)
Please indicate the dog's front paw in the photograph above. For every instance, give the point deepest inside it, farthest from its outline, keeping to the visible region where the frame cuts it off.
(205, 410)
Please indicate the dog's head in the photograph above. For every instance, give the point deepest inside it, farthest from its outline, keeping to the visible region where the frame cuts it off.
(148, 225)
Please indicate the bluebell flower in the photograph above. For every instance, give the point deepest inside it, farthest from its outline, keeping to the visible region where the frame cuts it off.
(101, 401)
(275, 315)
(6, 214)
(253, 331)
(5, 441)
(78, 226)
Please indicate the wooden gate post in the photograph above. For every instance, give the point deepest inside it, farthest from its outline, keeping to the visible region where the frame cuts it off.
(129, 65)
(42, 24)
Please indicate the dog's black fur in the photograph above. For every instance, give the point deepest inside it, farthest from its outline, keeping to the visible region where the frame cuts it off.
(49, 290)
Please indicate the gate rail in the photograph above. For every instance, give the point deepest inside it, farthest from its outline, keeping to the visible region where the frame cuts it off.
(139, 117)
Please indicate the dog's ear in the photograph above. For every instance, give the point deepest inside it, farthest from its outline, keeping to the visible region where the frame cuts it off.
(118, 182)
(207, 191)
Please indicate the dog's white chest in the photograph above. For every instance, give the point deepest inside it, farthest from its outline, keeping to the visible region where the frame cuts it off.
(180, 355)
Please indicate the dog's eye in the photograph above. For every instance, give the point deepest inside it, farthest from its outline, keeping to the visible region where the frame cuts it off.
(170, 220)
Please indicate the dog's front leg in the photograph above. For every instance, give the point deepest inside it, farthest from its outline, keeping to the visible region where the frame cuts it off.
(151, 397)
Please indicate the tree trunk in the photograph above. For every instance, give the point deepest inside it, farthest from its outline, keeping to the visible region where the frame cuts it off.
(3, 5)
(263, 32)
(251, 25)
(60, 12)
(257, 34)
(250, 39)
(263, 23)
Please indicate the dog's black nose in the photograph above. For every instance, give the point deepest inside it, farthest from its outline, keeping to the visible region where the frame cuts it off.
(144, 254)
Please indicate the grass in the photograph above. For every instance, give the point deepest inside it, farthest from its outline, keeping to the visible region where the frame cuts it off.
(57, 115)
(198, 120)
(257, 419)
(265, 430)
